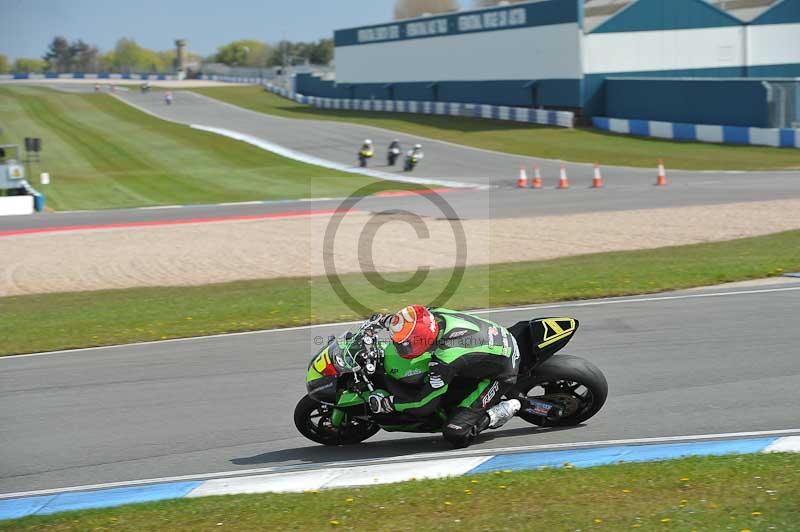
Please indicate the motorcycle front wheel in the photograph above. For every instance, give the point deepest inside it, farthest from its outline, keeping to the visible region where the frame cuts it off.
(574, 384)
(313, 420)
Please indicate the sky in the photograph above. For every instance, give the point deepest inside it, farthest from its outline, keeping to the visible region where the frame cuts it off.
(27, 26)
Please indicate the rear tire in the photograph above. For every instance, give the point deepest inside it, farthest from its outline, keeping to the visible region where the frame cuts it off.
(575, 384)
(312, 419)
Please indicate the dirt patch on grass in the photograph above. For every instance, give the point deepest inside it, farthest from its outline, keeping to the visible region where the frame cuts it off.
(227, 251)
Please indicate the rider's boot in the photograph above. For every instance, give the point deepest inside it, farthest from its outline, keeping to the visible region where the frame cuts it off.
(502, 412)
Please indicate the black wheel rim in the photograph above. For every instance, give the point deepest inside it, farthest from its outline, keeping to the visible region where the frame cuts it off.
(574, 397)
(318, 422)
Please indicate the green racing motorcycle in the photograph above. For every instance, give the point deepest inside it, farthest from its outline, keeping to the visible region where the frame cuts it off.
(555, 390)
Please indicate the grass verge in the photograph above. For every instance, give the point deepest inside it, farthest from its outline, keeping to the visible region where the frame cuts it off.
(579, 144)
(754, 492)
(83, 319)
(102, 153)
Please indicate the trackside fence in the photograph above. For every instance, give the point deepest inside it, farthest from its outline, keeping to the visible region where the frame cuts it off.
(473, 110)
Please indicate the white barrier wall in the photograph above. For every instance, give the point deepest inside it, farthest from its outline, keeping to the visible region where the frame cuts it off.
(541, 52)
(13, 205)
(641, 51)
(773, 44)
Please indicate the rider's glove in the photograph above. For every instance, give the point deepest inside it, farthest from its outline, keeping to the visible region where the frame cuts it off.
(380, 404)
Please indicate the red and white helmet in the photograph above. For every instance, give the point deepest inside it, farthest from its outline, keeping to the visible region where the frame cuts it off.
(414, 329)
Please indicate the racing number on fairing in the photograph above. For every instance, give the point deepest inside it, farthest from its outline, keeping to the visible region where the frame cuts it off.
(323, 364)
(555, 329)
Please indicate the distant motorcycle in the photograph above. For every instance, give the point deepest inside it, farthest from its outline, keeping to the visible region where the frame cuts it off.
(393, 153)
(412, 159)
(363, 155)
(168, 98)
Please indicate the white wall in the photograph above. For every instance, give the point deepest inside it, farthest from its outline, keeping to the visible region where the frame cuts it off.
(636, 51)
(774, 44)
(541, 52)
(12, 205)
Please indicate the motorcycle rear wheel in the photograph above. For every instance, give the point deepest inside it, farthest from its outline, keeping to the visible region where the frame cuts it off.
(575, 384)
(312, 419)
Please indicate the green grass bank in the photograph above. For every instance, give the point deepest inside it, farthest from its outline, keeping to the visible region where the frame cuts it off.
(741, 493)
(102, 153)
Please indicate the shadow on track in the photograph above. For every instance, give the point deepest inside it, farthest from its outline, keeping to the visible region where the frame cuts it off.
(386, 449)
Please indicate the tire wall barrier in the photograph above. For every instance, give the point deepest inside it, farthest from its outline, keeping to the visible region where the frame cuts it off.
(81, 75)
(473, 110)
(776, 137)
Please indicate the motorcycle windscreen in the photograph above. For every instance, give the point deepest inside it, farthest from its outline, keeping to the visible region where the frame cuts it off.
(323, 371)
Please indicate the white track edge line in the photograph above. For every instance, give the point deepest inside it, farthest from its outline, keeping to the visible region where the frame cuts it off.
(410, 458)
(591, 303)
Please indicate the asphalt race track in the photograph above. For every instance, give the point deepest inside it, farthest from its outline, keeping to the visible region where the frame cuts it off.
(697, 363)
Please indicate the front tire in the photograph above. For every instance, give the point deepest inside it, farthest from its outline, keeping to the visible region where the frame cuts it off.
(573, 383)
(313, 420)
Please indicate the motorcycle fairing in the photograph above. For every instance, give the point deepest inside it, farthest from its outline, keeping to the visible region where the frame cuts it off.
(541, 338)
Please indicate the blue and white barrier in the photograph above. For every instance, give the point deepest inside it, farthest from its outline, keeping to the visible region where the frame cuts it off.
(777, 137)
(390, 470)
(81, 75)
(473, 110)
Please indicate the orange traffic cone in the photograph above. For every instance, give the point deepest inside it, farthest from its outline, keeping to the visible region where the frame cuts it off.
(597, 180)
(522, 182)
(662, 174)
(536, 182)
(563, 182)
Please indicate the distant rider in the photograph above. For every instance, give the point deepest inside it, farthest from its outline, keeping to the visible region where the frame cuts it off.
(416, 152)
(168, 97)
(394, 145)
(461, 346)
(366, 148)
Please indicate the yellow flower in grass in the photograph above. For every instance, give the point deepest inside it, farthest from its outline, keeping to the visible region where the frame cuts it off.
(474, 481)
(626, 490)
(636, 525)
(755, 514)
(448, 503)
(349, 499)
(666, 520)
(597, 520)
(334, 522)
(684, 479)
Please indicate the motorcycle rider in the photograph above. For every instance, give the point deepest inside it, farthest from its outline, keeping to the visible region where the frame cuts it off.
(393, 152)
(416, 152)
(461, 345)
(366, 147)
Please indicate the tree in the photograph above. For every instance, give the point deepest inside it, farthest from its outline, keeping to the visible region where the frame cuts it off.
(416, 8)
(244, 52)
(59, 55)
(3, 64)
(25, 65)
(85, 57)
(129, 57)
(321, 52)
